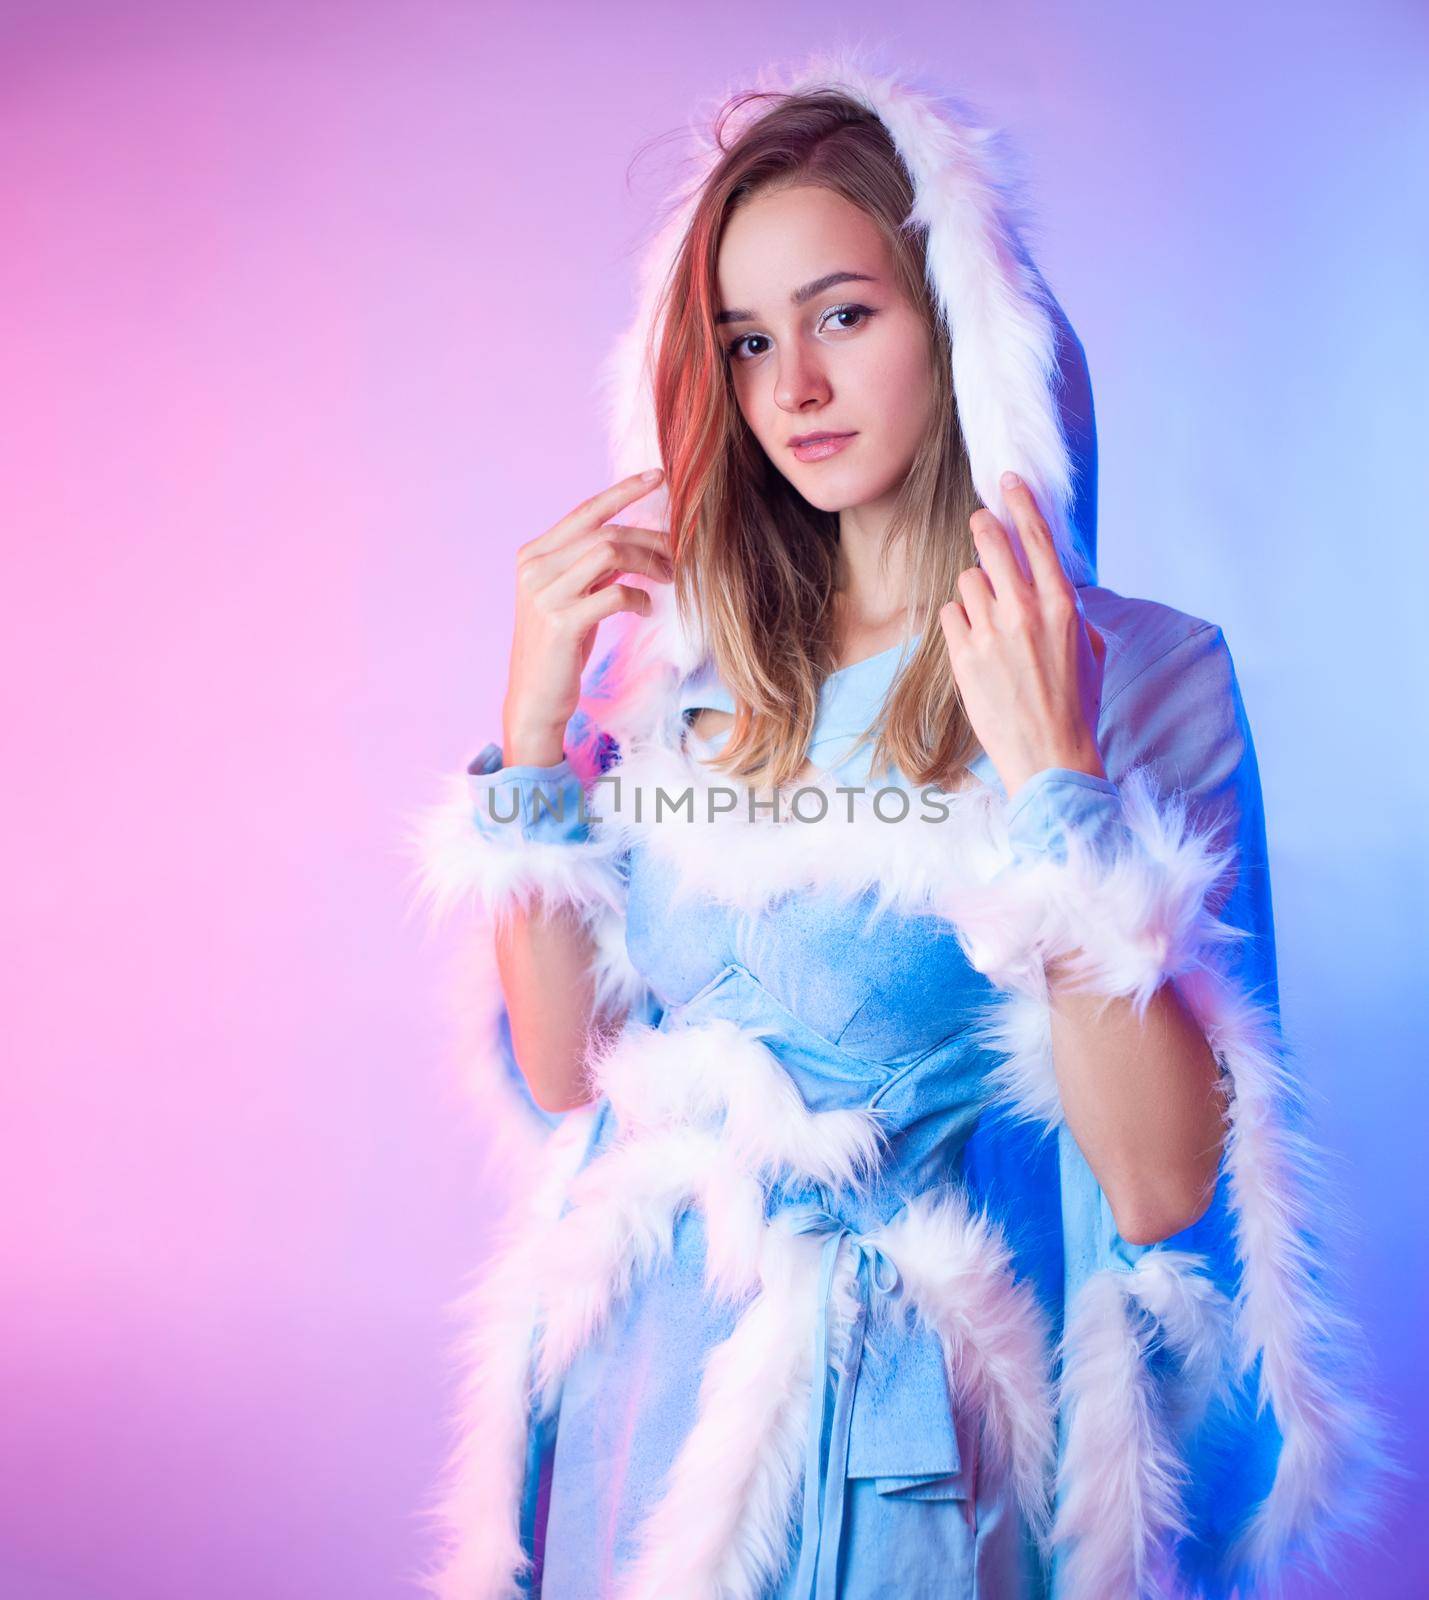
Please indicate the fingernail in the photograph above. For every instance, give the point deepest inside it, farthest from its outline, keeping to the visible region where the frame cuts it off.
(1010, 480)
(650, 476)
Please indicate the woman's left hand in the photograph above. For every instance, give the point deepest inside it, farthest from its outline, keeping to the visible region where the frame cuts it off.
(1027, 662)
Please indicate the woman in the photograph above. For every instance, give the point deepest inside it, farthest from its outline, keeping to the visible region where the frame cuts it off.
(925, 1211)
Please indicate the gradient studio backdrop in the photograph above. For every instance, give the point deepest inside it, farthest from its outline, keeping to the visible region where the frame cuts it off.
(302, 308)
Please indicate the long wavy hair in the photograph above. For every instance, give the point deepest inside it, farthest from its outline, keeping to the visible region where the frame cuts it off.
(754, 561)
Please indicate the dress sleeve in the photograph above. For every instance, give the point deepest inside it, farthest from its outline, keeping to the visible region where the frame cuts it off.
(1212, 1378)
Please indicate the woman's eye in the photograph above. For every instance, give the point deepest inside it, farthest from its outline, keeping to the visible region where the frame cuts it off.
(733, 347)
(859, 312)
(862, 312)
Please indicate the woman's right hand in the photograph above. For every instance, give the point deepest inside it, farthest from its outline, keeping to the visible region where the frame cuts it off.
(565, 584)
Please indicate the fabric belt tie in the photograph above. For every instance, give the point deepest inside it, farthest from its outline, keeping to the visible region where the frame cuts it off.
(820, 1540)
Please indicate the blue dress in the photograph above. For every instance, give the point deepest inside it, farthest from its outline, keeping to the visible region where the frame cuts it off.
(817, 1298)
(859, 1015)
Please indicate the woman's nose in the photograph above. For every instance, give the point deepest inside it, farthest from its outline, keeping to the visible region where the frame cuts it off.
(801, 379)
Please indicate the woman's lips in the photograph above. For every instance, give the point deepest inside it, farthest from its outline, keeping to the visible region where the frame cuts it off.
(819, 449)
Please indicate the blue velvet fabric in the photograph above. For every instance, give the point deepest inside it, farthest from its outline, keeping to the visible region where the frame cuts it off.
(879, 1013)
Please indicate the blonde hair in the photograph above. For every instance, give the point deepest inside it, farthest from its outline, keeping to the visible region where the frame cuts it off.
(753, 560)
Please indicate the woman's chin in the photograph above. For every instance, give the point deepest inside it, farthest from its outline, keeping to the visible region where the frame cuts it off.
(833, 491)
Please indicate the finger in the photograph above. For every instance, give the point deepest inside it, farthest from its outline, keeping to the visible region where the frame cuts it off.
(607, 602)
(603, 561)
(957, 629)
(558, 561)
(999, 558)
(653, 538)
(652, 566)
(590, 513)
(975, 592)
(1043, 564)
(634, 529)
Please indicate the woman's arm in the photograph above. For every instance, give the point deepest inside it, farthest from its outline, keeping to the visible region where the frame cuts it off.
(517, 836)
(1142, 1097)
(565, 585)
(1138, 1082)
(1139, 1085)
(545, 957)
(546, 950)
(1094, 919)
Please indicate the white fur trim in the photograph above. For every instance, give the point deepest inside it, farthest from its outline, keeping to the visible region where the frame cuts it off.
(477, 1508)
(1003, 338)
(457, 864)
(957, 1269)
(618, 985)
(1333, 1464)
(721, 1071)
(1017, 1030)
(704, 1113)
(624, 1206)
(1122, 1470)
(966, 193)
(510, 1130)
(1121, 926)
(721, 1528)
(672, 804)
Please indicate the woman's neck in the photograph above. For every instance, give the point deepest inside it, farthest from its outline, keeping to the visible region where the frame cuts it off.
(871, 600)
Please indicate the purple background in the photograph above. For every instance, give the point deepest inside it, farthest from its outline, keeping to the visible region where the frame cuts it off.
(302, 308)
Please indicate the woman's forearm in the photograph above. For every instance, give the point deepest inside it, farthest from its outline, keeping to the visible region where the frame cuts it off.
(545, 958)
(1143, 1100)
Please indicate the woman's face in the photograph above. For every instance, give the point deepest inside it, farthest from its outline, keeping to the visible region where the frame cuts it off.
(809, 356)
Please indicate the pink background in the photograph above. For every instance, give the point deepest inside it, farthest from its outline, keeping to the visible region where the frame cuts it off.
(302, 307)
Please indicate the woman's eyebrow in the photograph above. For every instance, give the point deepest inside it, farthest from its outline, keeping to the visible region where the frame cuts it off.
(799, 296)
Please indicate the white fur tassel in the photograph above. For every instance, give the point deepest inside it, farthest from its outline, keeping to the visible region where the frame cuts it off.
(1122, 1470)
(721, 1530)
(621, 1222)
(477, 1509)
(703, 1113)
(1333, 1463)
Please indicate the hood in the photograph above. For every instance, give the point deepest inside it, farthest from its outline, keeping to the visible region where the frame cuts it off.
(1019, 373)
